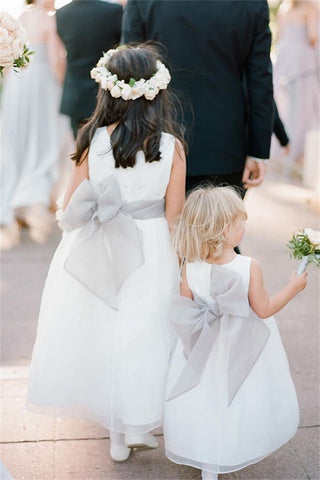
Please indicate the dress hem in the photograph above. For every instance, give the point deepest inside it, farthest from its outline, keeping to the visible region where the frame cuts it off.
(116, 425)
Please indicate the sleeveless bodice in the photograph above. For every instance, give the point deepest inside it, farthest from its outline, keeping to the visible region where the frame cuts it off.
(144, 181)
(198, 275)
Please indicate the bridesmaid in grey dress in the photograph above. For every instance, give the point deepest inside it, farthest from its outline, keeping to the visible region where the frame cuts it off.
(30, 129)
(296, 74)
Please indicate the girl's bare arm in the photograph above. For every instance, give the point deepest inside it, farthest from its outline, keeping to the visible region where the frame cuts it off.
(77, 175)
(175, 194)
(261, 302)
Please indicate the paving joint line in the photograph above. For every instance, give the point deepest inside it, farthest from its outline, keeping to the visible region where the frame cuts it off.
(61, 440)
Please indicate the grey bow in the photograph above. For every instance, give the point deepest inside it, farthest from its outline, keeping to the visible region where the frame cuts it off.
(198, 325)
(109, 247)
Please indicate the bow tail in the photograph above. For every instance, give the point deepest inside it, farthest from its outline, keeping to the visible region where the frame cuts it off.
(89, 263)
(197, 359)
(126, 250)
(245, 351)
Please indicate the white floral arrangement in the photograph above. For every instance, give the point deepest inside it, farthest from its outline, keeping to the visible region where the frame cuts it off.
(14, 51)
(135, 88)
(305, 246)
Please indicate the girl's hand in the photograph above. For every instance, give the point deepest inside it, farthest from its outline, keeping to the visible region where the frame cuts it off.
(298, 282)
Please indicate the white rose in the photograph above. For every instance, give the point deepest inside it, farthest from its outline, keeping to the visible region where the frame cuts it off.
(115, 92)
(313, 236)
(102, 62)
(6, 56)
(150, 94)
(17, 48)
(109, 84)
(136, 92)
(113, 78)
(126, 92)
(5, 38)
(9, 22)
(93, 73)
(103, 82)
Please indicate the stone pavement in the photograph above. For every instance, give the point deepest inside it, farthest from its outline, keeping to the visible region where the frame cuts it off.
(36, 447)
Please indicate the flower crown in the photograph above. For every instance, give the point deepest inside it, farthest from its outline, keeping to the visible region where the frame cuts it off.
(135, 88)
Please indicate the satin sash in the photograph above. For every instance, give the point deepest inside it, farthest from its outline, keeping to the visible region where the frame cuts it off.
(198, 325)
(109, 246)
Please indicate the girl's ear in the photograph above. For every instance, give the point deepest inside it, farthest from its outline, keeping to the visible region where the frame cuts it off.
(226, 230)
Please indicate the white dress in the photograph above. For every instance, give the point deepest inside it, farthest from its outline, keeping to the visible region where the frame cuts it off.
(30, 135)
(200, 429)
(89, 360)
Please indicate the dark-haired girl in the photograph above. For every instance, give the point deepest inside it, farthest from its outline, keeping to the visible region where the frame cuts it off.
(104, 339)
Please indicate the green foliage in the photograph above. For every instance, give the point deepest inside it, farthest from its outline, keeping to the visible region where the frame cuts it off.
(300, 246)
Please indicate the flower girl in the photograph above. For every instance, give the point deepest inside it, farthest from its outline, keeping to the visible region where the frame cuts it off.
(231, 399)
(104, 337)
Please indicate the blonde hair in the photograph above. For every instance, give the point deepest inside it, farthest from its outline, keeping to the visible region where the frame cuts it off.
(199, 233)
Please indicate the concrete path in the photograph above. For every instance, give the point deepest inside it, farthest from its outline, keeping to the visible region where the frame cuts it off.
(35, 447)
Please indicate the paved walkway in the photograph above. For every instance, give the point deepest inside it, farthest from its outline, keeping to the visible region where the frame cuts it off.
(36, 447)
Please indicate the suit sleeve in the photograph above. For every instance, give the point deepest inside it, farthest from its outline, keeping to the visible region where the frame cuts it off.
(133, 29)
(278, 128)
(260, 90)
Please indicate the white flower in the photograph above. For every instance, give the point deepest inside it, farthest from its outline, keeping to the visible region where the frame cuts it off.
(150, 94)
(137, 88)
(9, 22)
(126, 92)
(313, 236)
(136, 92)
(115, 92)
(17, 47)
(103, 82)
(13, 51)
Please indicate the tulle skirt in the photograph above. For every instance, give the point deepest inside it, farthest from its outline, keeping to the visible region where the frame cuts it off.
(202, 431)
(93, 362)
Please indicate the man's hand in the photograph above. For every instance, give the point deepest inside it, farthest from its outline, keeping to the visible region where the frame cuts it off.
(253, 173)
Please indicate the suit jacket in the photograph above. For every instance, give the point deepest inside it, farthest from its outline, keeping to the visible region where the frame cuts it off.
(211, 46)
(87, 28)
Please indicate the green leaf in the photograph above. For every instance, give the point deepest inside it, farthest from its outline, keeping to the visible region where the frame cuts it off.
(132, 82)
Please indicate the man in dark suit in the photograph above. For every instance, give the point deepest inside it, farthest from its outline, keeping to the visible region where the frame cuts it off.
(87, 28)
(212, 46)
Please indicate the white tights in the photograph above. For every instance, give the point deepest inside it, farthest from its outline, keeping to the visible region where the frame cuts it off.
(206, 475)
(117, 438)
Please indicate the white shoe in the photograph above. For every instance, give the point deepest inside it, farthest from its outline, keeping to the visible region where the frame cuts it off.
(141, 440)
(119, 453)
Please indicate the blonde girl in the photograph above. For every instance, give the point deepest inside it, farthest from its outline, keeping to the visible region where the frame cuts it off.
(230, 397)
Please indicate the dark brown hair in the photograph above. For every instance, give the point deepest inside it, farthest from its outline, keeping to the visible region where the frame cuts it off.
(139, 122)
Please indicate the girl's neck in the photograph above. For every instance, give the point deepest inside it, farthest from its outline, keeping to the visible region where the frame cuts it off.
(227, 255)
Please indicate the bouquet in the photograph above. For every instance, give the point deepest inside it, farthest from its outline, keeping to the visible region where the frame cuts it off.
(14, 51)
(305, 246)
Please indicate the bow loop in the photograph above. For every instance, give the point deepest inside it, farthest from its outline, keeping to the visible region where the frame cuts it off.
(109, 247)
(80, 209)
(109, 200)
(198, 324)
(228, 290)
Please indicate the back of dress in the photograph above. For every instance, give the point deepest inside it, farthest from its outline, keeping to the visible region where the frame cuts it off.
(111, 348)
(225, 433)
(198, 275)
(144, 181)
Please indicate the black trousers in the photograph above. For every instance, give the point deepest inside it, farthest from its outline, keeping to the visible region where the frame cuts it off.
(232, 179)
